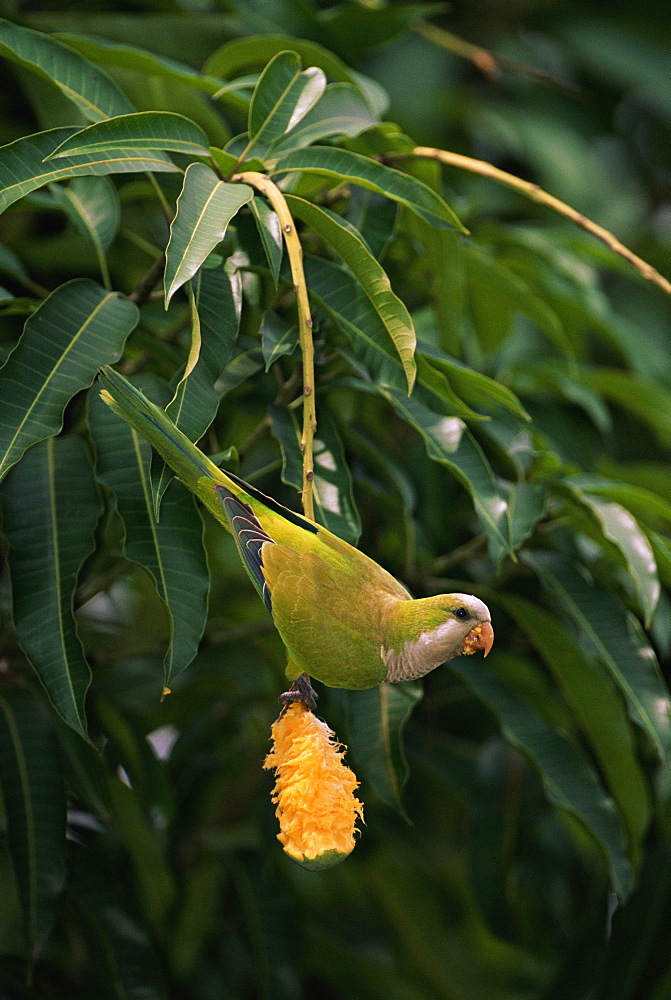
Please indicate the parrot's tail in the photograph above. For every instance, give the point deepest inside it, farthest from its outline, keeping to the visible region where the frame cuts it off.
(188, 463)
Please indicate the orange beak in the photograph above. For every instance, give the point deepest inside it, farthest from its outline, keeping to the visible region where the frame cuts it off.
(480, 637)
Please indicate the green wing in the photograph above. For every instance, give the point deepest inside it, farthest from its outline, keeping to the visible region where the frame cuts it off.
(329, 619)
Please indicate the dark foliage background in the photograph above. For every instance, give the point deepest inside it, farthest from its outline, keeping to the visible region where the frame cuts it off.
(537, 859)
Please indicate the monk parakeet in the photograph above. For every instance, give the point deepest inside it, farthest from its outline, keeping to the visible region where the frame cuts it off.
(342, 617)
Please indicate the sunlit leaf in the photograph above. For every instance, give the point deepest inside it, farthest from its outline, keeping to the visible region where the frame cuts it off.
(140, 130)
(620, 527)
(341, 110)
(342, 166)
(34, 808)
(22, 166)
(79, 328)
(346, 241)
(205, 207)
(283, 95)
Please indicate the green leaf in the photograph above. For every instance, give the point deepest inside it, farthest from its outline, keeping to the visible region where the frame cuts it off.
(525, 508)
(51, 508)
(92, 204)
(171, 550)
(568, 779)
(126, 957)
(103, 52)
(598, 708)
(22, 166)
(278, 337)
(646, 400)
(609, 633)
(196, 400)
(376, 719)
(621, 528)
(241, 367)
(34, 807)
(12, 265)
(242, 53)
(341, 110)
(205, 207)
(495, 294)
(140, 130)
(472, 386)
(449, 442)
(344, 167)
(89, 89)
(79, 328)
(332, 483)
(282, 97)
(270, 231)
(344, 300)
(347, 242)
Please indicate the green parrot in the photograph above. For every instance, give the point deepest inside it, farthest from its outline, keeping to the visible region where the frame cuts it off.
(343, 619)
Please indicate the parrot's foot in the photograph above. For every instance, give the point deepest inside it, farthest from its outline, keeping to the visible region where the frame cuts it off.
(301, 690)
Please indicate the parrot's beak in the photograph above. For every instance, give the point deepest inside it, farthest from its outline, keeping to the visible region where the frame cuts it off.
(480, 637)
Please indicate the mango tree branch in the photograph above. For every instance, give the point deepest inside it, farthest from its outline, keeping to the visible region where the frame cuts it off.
(536, 194)
(295, 254)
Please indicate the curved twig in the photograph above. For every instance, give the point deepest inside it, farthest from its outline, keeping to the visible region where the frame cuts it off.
(295, 254)
(535, 193)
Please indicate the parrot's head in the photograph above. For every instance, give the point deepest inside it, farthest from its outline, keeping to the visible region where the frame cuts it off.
(472, 626)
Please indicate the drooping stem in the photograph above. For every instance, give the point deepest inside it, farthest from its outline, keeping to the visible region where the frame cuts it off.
(295, 254)
(541, 197)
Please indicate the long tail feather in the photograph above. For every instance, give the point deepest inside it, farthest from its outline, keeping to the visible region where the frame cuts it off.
(188, 463)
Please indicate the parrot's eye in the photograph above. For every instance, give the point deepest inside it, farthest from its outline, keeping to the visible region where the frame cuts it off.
(463, 613)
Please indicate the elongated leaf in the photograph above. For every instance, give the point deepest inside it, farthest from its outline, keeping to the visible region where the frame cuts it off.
(34, 806)
(283, 95)
(343, 299)
(448, 441)
(278, 337)
(241, 367)
(645, 399)
(243, 53)
(79, 328)
(270, 231)
(347, 242)
(103, 52)
(140, 130)
(93, 206)
(376, 719)
(525, 508)
(474, 387)
(568, 779)
(195, 402)
(341, 110)
(640, 500)
(342, 166)
(598, 708)
(205, 207)
(621, 528)
(22, 166)
(608, 632)
(51, 507)
(171, 550)
(495, 294)
(332, 483)
(125, 954)
(89, 89)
